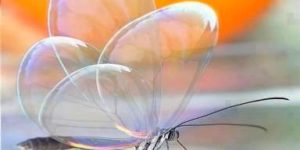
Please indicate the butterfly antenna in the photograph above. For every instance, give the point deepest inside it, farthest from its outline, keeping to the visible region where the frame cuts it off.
(183, 147)
(226, 108)
(227, 124)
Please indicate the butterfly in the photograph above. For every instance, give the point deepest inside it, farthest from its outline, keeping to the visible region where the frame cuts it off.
(118, 74)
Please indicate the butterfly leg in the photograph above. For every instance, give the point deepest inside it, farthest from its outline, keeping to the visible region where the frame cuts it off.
(168, 147)
(183, 147)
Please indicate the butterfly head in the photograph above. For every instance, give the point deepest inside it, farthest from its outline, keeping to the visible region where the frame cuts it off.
(172, 135)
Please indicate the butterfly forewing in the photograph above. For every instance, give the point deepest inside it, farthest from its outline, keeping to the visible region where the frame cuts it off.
(170, 48)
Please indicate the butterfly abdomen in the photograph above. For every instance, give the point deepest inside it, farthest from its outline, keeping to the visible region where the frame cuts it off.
(152, 144)
(42, 143)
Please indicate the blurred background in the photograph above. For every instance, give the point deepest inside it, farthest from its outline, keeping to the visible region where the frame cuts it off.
(258, 55)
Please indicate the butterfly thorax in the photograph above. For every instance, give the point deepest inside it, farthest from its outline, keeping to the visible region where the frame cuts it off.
(157, 141)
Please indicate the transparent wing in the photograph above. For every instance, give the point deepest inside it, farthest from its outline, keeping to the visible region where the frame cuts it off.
(74, 112)
(94, 21)
(170, 48)
(45, 64)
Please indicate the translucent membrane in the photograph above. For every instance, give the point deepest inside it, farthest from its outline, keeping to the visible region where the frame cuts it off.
(74, 112)
(94, 21)
(45, 64)
(170, 48)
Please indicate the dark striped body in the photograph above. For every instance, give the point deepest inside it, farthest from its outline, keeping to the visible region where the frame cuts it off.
(42, 143)
(47, 143)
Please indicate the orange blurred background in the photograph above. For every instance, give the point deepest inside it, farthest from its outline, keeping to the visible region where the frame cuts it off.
(25, 21)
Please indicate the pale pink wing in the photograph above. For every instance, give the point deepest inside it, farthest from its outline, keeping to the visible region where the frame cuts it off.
(170, 47)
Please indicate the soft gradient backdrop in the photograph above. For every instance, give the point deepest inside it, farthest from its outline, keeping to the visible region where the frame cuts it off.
(258, 55)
